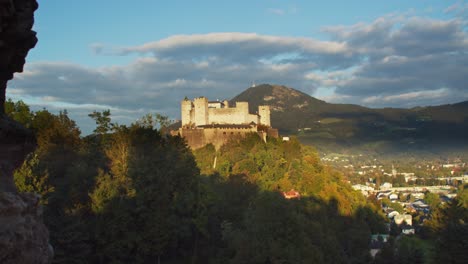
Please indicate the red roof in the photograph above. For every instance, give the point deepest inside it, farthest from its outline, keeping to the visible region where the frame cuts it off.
(292, 194)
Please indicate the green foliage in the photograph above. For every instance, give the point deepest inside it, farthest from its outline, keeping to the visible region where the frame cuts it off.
(205, 158)
(449, 227)
(157, 120)
(412, 250)
(106, 189)
(132, 194)
(103, 121)
(432, 200)
(330, 223)
(147, 200)
(396, 206)
(20, 112)
(30, 178)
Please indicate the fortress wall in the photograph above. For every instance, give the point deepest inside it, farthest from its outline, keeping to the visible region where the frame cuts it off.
(195, 137)
(251, 118)
(198, 138)
(198, 113)
(272, 132)
(225, 116)
(220, 136)
(243, 107)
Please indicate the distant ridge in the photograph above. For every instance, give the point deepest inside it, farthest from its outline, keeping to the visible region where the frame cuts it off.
(346, 125)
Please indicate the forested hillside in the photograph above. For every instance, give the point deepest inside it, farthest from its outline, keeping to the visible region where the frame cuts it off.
(132, 194)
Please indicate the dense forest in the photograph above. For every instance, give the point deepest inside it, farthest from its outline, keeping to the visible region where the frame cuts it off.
(134, 194)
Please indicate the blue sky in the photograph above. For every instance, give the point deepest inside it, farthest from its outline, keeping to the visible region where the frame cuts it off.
(135, 57)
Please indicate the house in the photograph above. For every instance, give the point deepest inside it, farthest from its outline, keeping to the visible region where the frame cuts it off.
(386, 185)
(418, 195)
(383, 194)
(393, 196)
(407, 218)
(292, 194)
(420, 204)
(407, 230)
(392, 214)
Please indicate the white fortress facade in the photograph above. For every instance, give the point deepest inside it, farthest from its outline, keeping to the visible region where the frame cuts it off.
(201, 112)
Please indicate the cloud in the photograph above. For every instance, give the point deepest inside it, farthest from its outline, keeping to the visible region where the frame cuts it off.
(276, 11)
(237, 46)
(97, 48)
(283, 11)
(405, 56)
(395, 60)
(459, 9)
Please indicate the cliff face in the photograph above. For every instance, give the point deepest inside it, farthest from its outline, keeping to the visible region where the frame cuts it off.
(16, 38)
(23, 236)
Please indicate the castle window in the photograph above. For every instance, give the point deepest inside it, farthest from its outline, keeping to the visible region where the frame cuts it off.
(224, 133)
(232, 133)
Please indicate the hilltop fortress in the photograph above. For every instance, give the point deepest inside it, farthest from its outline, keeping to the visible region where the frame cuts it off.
(215, 122)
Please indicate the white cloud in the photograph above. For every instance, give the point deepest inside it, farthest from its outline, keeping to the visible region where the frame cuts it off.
(276, 11)
(199, 45)
(395, 60)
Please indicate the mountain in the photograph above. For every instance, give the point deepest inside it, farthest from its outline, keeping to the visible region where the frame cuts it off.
(340, 127)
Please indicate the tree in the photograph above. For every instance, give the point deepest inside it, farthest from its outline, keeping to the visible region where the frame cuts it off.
(449, 228)
(103, 121)
(30, 178)
(146, 202)
(156, 121)
(432, 200)
(20, 112)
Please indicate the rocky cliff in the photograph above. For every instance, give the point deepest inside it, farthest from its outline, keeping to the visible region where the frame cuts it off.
(23, 236)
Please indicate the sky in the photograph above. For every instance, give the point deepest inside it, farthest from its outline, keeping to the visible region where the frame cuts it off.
(145, 56)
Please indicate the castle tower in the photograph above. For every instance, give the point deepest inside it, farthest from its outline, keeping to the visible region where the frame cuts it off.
(243, 110)
(185, 109)
(200, 105)
(264, 112)
(226, 103)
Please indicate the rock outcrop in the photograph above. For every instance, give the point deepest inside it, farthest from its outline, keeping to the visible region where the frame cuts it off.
(23, 236)
(16, 39)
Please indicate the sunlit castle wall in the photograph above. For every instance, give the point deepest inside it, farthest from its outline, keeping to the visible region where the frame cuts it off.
(186, 109)
(243, 108)
(264, 112)
(234, 115)
(225, 116)
(201, 111)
